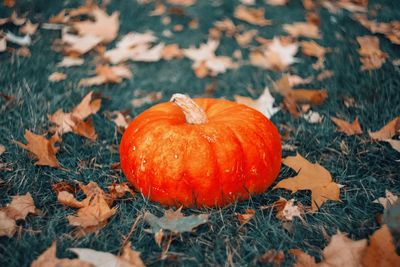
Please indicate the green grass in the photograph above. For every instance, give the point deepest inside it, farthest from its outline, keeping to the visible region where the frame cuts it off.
(366, 171)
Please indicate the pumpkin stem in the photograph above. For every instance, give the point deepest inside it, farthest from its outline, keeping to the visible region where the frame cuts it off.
(194, 113)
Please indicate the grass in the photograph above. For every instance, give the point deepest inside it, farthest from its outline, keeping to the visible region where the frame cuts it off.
(366, 171)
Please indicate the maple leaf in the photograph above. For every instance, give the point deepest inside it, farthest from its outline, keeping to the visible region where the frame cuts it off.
(128, 258)
(43, 149)
(75, 121)
(93, 212)
(349, 129)
(313, 49)
(371, 56)
(107, 74)
(390, 29)
(174, 221)
(264, 104)
(105, 27)
(312, 177)
(18, 209)
(274, 56)
(246, 217)
(389, 200)
(80, 44)
(387, 132)
(381, 250)
(304, 29)
(49, 259)
(251, 15)
(341, 251)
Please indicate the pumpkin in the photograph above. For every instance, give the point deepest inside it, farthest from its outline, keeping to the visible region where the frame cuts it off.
(200, 152)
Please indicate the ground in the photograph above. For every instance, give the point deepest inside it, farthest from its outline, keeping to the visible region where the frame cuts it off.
(366, 171)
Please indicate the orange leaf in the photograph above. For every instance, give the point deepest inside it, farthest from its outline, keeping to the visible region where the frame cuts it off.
(349, 129)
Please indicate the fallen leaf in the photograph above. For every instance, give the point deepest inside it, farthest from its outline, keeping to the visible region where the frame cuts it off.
(57, 76)
(246, 217)
(381, 250)
(245, 38)
(371, 55)
(251, 15)
(105, 27)
(75, 121)
(312, 177)
(29, 28)
(324, 75)
(80, 44)
(389, 29)
(226, 26)
(148, 99)
(3, 44)
(70, 61)
(171, 51)
(107, 74)
(286, 210)
(264, 104)
(49, 259)
(181, 2)
(389, 200)
(44, 149)
(277, 2)
(313, 49)
(128, 257)
(273, 257)
(93, 212)
(349, 129)
(119, 119)
(174, 221)
(304, 29)
(276, 55)
(2, 149)
(118, 191)
(387, 132)
(18, 209)
(296, 80)
(313, 117)
(341, 251)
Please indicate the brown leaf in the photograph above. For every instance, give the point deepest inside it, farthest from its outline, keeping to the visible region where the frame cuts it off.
(68, 199)
(105, 27)
(57, 76)
(324, 75)
(80, 44)
(349, 129)
(381, 250)
(371, 55)
(117, 191)
(286, 210)
(43, 149)
(20, 207)
(388, 132)
(277, 2)
(181, 2)
(388, 201)
(70, 61)
(107, 74)
(64, 186)
(312, 177)
(171, 51)
(246, 217)
(8, 227)
(389, 29)
(273, 257)
(251, 15)
(49, 259)
(313, 49)
(245, 38)
(304, 29)
(341, 251)
(29, 28)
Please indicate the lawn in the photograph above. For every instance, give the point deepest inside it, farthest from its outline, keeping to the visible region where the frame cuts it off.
(365, 168)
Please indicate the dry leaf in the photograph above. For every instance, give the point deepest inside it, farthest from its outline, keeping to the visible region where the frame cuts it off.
(128, 257)
(324, 75)
(388, 132)
(226, 26)
(312, 49)
(304, 29)
(75, 121)
(93, 212)
(49, 259)
(264, 104)
(171, 51)
(18, 209)
(389, 200)
(391, 29)
(272, 256)
(119, 119)
(341, 251)
(105, 27)
(312, 177)
(349, 129)
(274, 56)
(80, 44)
(107, 74)
(313, 117)
(57, 76)
(251, 15)
(296, 80)
(118, 191)
(371, 55)
(70, 61)
(246, 217)
(286, 210)
(277, 2)
(29, 28)
(381, 250)
(44, 149)
(245, 38)
(181, 2)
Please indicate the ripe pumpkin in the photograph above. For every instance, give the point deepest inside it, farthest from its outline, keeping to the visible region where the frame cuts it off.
(200, 152)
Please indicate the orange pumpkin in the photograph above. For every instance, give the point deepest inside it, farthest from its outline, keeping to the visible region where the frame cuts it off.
(200, 152)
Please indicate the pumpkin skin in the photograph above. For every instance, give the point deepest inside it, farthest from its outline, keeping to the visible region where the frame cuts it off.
(235, 154)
